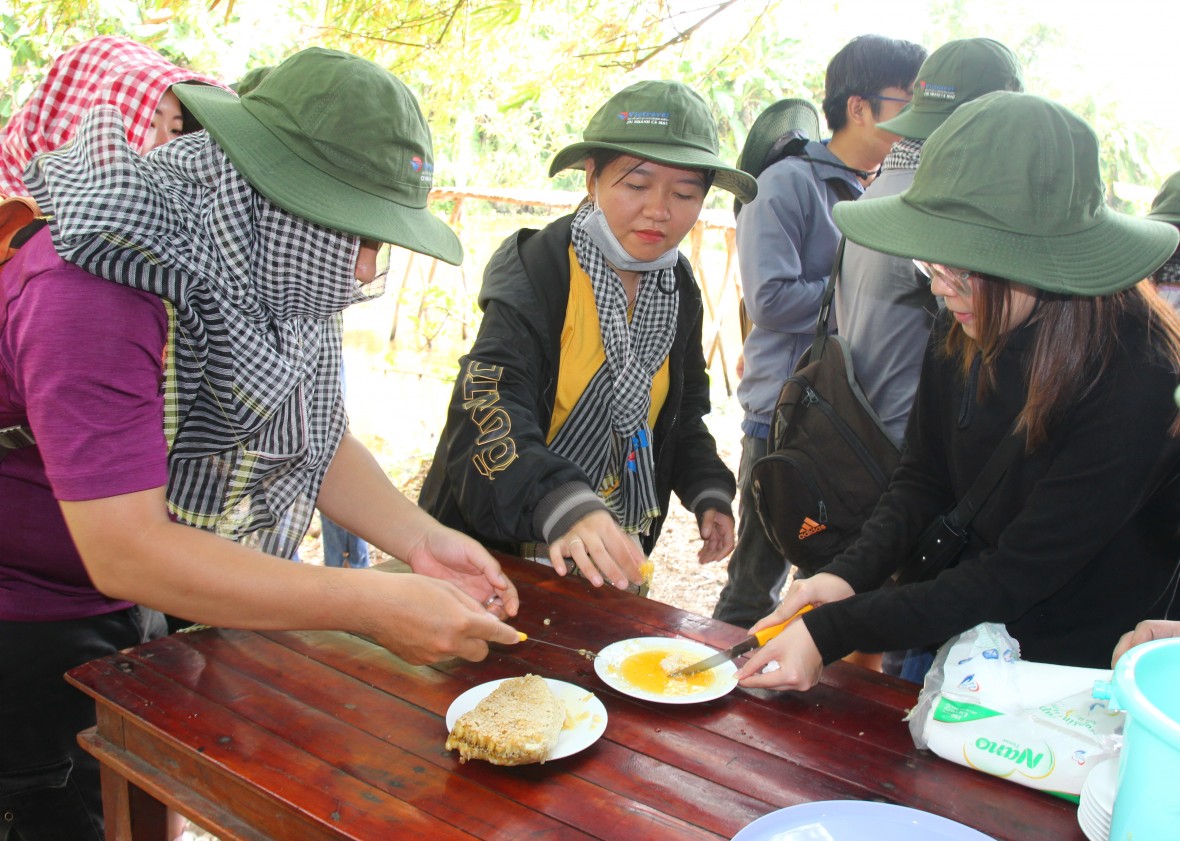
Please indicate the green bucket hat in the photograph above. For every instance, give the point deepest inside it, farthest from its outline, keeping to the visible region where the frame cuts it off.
(251, 80)
(334, 139)
(957, 72)
(1165, 207)
(1010, 186)
(665, 122)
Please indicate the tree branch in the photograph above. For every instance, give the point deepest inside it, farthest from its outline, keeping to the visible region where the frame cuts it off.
(679, 38)
(765, 10)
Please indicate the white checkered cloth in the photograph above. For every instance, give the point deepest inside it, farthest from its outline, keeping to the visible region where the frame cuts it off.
(254, 411)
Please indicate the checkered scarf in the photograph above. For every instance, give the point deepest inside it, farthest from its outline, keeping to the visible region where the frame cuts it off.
(253, 409)
(904, 154)
(607, 433)
(1169, 272)
(104, 70)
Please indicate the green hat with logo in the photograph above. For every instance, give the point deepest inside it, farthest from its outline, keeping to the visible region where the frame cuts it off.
(334, 139)
(1165, 207)
(665, 122)
(957, 72)
(1010, 186)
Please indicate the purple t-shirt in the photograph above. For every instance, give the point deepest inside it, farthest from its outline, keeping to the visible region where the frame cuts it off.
(81, 365)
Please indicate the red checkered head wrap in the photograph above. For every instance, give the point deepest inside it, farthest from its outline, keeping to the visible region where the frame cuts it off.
(103, 70)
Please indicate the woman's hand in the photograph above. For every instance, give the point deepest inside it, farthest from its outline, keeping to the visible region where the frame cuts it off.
(602, 551)
(819, 589)
(794, 659)
(716, 535)
(452, 556)
(1145, 631)
(794, 654)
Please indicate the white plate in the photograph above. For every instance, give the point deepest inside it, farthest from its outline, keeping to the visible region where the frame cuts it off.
(582, 705)
(855, 820)
(606, 664)
(1097, 799)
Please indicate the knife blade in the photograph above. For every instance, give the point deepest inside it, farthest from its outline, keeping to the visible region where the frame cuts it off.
(581, 652)
(748, 644)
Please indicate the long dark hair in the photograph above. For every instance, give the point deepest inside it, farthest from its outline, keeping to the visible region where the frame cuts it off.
(1076, 337)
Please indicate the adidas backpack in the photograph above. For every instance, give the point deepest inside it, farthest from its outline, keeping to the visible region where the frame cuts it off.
(829, 458)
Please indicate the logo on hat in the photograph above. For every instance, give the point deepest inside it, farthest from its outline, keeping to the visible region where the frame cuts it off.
(425, 167)
(944, 92)
(645, 118)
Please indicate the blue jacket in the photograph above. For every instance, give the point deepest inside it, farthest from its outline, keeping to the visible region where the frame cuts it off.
(786, 243)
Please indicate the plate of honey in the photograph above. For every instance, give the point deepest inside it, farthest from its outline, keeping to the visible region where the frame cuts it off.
(639, 667)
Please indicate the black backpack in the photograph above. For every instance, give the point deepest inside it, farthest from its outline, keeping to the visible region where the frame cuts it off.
(829, 458)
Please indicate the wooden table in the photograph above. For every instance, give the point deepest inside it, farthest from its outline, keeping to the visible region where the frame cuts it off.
(323, 735)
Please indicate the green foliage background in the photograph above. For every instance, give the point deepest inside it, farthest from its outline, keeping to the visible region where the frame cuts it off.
(505, 83)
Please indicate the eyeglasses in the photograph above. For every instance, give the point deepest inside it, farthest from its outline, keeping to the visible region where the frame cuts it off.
(959, 280)
(882, 98)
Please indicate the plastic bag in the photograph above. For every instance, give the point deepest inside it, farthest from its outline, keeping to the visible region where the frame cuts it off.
(1036, 724)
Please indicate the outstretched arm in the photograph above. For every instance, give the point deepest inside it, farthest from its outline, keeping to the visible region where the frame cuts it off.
(133, 551)
(358, 495)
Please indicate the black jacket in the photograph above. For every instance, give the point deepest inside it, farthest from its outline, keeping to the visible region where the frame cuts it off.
(493, 475)
(1079, 541)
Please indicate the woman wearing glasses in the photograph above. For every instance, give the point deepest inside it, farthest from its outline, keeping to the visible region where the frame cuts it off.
(1049, 333)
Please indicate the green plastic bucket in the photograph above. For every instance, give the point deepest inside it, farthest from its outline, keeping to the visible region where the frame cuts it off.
(1147, 685)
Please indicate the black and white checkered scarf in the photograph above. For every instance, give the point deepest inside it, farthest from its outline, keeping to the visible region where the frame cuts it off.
(253, 409)
(904, 154)
(607, 433)
(1169, 272)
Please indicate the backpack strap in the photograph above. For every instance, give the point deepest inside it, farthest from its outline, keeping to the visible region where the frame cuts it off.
(15, 438)
(825, 304)
(19, 219)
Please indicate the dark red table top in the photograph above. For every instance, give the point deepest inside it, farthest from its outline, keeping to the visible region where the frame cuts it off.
(325, 735)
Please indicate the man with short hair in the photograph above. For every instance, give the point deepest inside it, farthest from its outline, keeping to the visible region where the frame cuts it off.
(883, 307)
(786, 244)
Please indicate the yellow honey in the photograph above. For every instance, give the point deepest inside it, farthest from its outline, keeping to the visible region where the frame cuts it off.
(648, 671)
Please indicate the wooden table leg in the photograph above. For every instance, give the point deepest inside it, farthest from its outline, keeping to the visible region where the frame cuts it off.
(131, 813)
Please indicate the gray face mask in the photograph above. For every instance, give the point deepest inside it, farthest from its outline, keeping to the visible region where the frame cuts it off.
(596, 227)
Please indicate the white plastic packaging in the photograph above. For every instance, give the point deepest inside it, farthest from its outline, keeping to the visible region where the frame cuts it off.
(1036, 724)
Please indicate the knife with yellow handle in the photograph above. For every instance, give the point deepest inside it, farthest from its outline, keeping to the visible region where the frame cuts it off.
(748, 644)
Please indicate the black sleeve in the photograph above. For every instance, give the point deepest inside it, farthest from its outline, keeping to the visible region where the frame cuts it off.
(1068, 524)
(497, 459)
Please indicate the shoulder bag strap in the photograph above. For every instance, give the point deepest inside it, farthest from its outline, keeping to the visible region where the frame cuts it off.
(1002, 457)
(945, 537)
(14, 438)
(825, 304)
